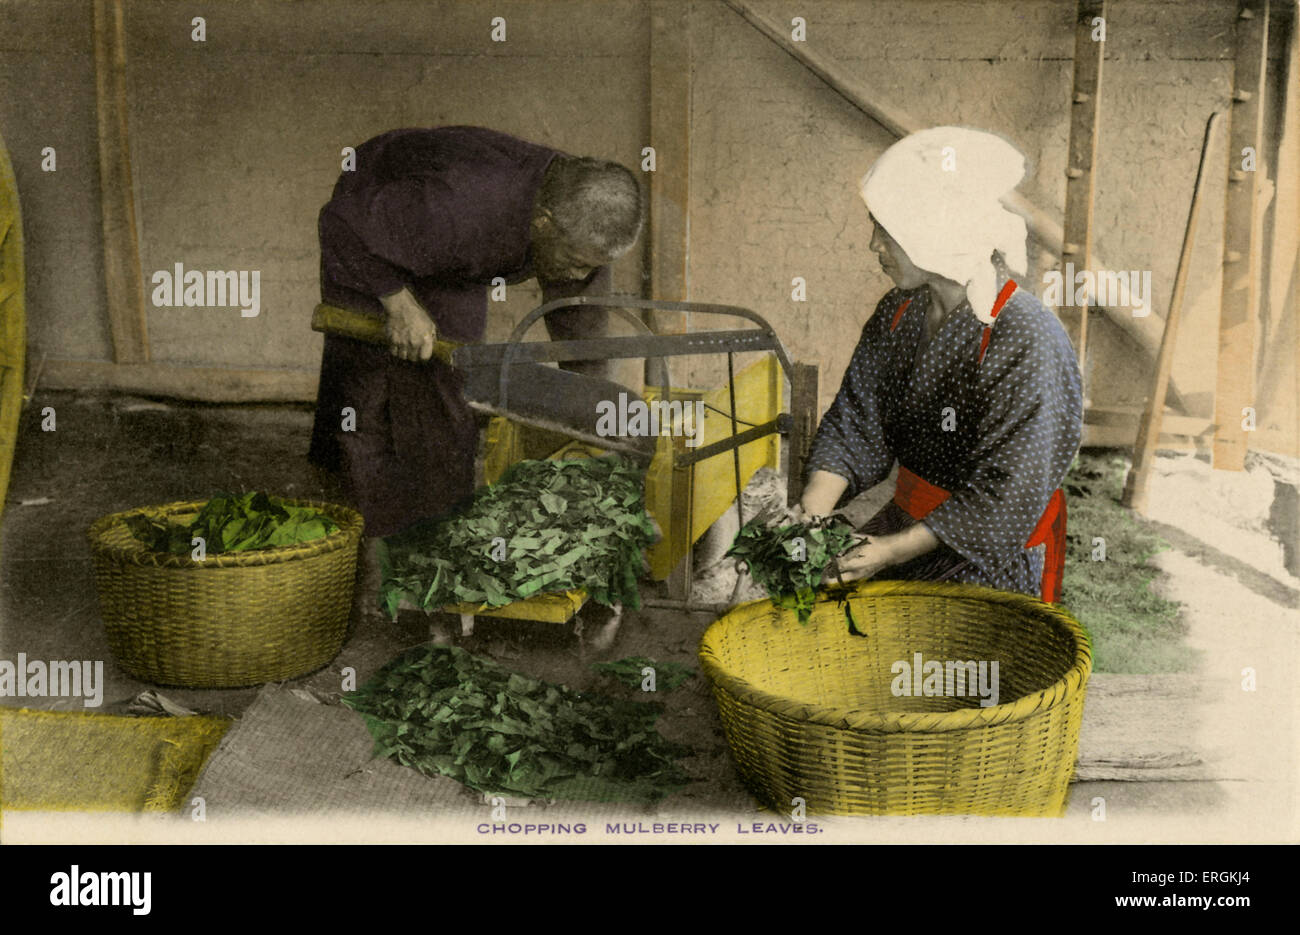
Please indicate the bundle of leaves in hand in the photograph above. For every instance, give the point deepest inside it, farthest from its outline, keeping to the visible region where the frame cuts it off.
(630, 671)
(545, 526)
(788, 562)
(446, 712)
(233, 523)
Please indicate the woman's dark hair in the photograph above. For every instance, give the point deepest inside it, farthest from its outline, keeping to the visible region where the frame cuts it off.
(593, 202)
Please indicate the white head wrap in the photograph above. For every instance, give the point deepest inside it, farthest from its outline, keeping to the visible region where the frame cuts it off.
(937, 192)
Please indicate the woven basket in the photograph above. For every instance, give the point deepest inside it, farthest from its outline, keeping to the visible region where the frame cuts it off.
(810, 712)
(235, 619)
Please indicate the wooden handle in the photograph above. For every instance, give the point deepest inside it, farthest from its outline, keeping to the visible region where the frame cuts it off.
(330, 319)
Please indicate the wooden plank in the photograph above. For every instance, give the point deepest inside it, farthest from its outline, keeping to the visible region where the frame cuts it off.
(1129, 416)
(1147, 728)
(1117, 436)
(1116, 427)
(199, 384)
(1239, 298)
(554, 607)
(123, 277)
(668, 243)
(1080, 174)
(1144, 449)
(1146, 331)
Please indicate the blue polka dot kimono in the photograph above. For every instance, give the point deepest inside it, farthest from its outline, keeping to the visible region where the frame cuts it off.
(995, 424)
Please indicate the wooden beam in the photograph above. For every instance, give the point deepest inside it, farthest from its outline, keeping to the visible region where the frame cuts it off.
(1081, 160)
(1128, 417)
(123, 278)
(668, 242)
(1177, 433)
(1146, 331)
(1239, 298)
(197, 384)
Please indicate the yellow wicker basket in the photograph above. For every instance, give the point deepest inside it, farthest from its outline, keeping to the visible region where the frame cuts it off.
(234, 619)
(814, 712)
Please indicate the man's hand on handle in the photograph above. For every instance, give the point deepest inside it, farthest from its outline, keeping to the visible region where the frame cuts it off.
(411, 332)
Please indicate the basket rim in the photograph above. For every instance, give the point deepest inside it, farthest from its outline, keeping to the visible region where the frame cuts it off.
(1072, 683)
(349, 520)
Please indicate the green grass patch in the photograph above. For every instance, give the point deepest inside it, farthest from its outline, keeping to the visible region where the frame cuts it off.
(1133, 629)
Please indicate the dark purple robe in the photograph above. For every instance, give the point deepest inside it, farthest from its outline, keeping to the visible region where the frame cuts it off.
(441, 212)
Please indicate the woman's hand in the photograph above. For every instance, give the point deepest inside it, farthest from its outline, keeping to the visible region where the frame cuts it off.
(880, 552)
(862, 561)
(793, 514)
(410, 330)
(822, 493)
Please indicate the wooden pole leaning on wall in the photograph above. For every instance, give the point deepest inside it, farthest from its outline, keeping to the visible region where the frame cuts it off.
(1080, 171)
(123, 278)
(1234, 396)
(1146, 331)
(1144, 450)
(670, 137)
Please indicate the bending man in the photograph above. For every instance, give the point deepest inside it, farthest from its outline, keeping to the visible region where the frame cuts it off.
(416, 235)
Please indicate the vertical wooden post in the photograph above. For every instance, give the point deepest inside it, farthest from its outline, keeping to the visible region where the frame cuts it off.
(803, 425)
(679, 532)
(1279, 398)
(1235, 388)
(123, 278)
(667, 244)
(1085, 112)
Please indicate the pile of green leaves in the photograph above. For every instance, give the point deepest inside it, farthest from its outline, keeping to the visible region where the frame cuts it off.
(233, 523)
(772, 556)
(571, 524)
(668, 675)
(446, 712)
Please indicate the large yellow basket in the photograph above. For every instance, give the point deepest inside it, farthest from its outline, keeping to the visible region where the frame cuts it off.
(234, 619)
(814, 712)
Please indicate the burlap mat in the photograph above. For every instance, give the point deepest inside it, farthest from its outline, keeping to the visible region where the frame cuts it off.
(288, 754)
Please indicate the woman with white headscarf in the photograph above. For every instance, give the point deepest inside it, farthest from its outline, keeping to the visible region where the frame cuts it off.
(961, 376)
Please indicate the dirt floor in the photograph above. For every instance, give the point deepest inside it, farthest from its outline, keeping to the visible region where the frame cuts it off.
(108, 454)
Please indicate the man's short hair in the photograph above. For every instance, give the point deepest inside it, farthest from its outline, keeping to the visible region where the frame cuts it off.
(594, 202)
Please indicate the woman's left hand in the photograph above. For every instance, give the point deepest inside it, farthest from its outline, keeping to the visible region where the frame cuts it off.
(862, 561)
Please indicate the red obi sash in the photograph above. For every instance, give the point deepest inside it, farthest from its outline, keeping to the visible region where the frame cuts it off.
(917, 497)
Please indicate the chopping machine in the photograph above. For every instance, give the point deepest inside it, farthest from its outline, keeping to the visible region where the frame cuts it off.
(687, 487)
